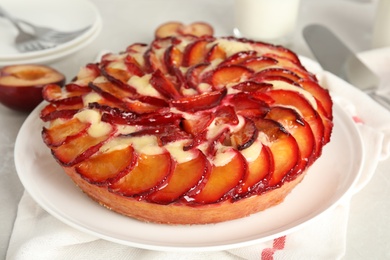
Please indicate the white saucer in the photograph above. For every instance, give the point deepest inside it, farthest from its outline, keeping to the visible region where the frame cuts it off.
(65, 15)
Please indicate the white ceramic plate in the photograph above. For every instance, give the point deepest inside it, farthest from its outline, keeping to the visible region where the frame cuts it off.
(330, 178)
(47, 59)
(65, 15)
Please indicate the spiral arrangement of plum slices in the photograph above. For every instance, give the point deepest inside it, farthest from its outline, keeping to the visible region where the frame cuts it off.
(187, 119)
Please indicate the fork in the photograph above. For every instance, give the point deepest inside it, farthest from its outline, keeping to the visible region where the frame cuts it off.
(41, 38)
(51, 35)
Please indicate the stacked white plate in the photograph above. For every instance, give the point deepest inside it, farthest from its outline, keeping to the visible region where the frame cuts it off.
(63, 15)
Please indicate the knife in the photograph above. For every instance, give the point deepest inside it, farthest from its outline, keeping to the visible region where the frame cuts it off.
(337, 58)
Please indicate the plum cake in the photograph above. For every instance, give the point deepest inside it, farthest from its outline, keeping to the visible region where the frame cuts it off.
(189, 129)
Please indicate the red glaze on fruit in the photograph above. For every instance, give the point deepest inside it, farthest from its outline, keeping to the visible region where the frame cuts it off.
(104, 168)
(259, 171)
(300, 130)
(283, 147)
(59, 134)
(149, 173)
(199, 102)
(78, 149)
(181, 182)
(222, 180)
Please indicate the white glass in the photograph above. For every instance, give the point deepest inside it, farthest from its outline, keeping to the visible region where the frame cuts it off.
(272, 21)
(381, 30)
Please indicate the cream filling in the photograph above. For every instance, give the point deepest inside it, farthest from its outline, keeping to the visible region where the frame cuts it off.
(223, 156)
(114, 144)
(118, 65)
(215, 129)
(139, 58)
(91, 98)
(232, 47)
(142, 85)
(177, 152)
(97, 128)
(204, 87)
(252, 152)
(146, 144)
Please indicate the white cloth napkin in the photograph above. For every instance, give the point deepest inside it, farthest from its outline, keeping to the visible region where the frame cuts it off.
(38, 235)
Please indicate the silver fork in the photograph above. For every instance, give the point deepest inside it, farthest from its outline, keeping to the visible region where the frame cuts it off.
(41, 38)
(51, 35)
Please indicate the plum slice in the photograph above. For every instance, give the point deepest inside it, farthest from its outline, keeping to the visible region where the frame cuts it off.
(238, 58)
(52, 111)
(300, 130)
(53, 93)
(302, 106)
(258, 171)
(199, 102)
(259, 62)
(193, 74)
(196, 125)
(58, 134)
(149, 173)
(229, 74)
(78, 149)
(164, 86)
(103, 168)
(222, 179)
(245, 136)
(321, 94)
(195, 53)
(215, 52)
(181, 181)
(173, 59)
(283, 146)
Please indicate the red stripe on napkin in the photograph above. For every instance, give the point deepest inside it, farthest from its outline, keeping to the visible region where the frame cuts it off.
(357, 119)
(268, 253)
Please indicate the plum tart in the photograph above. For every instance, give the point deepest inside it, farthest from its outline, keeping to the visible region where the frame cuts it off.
(189, 129)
